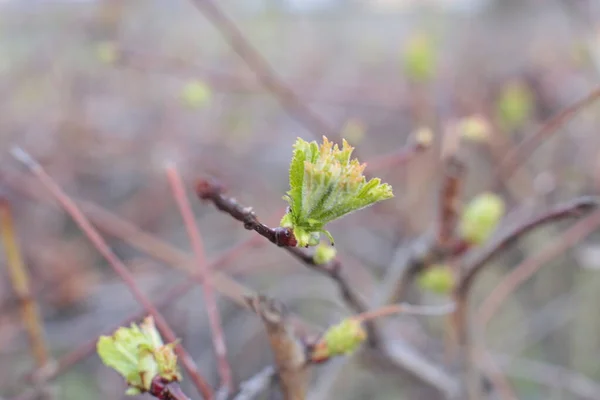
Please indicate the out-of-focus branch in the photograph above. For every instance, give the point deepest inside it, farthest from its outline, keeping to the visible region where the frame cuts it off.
(288, 350)
(71, 208)
(253, 387)
(520, 153)
(571, 209)
(265, 74)
(528, 267)
(19, 277)
(206, 275)
(449, 202)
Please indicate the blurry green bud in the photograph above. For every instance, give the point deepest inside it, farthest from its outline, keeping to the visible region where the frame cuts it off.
(420, 58)
(107, 52)
(323, 254)
(480, 218)
(437, 278)
(515, 105)
(340, 339)
(196, 94)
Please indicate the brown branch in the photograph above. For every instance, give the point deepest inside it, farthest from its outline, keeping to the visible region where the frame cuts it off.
(514, 158)
(571, 209)
(84, 224)
(19, 277)
(574, 208)
(206, 276)
(163, 390)
(213, 192)
(288, 350)
(261, 68)
(449, 203)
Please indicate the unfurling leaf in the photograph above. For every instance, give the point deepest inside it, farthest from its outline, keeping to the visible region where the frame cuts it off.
(325, 184)
(340, 339)
(480, 218)
(138, 354)
(437, 278)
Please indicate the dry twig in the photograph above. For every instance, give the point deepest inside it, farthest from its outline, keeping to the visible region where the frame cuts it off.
(288, 349)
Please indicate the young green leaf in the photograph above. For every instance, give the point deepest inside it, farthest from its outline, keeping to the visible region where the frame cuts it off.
(138, 354)
(325, 184)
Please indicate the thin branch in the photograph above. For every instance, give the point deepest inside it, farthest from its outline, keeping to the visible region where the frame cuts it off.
(520, 153)
(213, 192)
(528, 267)
(206, 276)
(261, 68)
(571, 209)
(19, 277)
(288, 349)
(71, 208)
(449, 203)
(406, 308)
(253, 387)
(166, 390)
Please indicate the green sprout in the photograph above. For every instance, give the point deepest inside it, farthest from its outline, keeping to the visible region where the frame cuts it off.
(196, 94)
(420, 58)
(515, 105)
(324, 254)
(138, 354)
(437, 279)
(480, 218)
(107, 52)
(325, 184)
(343, 338)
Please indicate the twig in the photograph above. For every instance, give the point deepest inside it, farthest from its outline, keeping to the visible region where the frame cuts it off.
(204, 271)
(528, 267)
(514, 158)
(406, 308)
(213, 192)
(574, 208)
(288, 350)
(20, 282)
(571, 209)
(166, 390)
(260, 67)
(250, 389)
(71, 208)
(449, 203)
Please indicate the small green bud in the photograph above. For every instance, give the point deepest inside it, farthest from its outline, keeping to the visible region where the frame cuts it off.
(138, 354)
(480, 218)
(340, 339)
(324, 254)
(437, 278)
(420, 58)
(515, 105)
(196, 94)
(325, 184)
(107, 52)
(474, 128)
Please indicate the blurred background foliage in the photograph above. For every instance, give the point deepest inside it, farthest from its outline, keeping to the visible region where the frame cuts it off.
(102, 93)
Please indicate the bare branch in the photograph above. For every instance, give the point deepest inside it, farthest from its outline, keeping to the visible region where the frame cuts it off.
(261, 68)
(288, 349)
(206, 274)
(71, 208)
